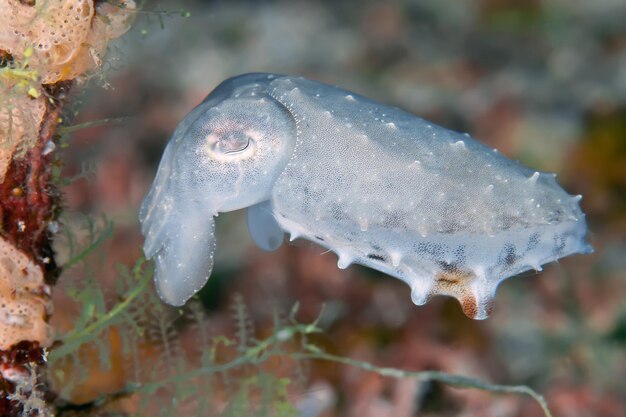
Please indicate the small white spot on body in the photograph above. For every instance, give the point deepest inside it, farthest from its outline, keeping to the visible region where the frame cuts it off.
(396, 257)
(459, 144)
(422, 230)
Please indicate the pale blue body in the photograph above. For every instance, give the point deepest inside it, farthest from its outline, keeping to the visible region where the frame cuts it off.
(378, 186)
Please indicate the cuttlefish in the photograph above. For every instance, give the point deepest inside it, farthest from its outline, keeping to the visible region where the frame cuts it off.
(372, 183)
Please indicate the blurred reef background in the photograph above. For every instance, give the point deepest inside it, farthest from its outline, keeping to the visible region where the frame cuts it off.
(542, 81)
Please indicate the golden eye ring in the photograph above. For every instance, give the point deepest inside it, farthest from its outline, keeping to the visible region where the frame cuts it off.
(226, 146)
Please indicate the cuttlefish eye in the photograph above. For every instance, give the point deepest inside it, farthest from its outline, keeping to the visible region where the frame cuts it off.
(229, 145)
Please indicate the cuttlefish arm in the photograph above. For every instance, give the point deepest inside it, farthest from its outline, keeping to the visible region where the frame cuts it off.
(185, 259)
(264, 229)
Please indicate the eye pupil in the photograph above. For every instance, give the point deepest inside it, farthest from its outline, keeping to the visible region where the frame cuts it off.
(229, 142)
(232, 142)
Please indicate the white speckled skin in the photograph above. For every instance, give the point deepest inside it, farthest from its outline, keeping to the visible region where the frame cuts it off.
(225, 155)
(378, 186)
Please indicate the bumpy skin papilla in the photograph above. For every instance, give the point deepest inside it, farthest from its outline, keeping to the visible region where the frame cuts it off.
(374, 184)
